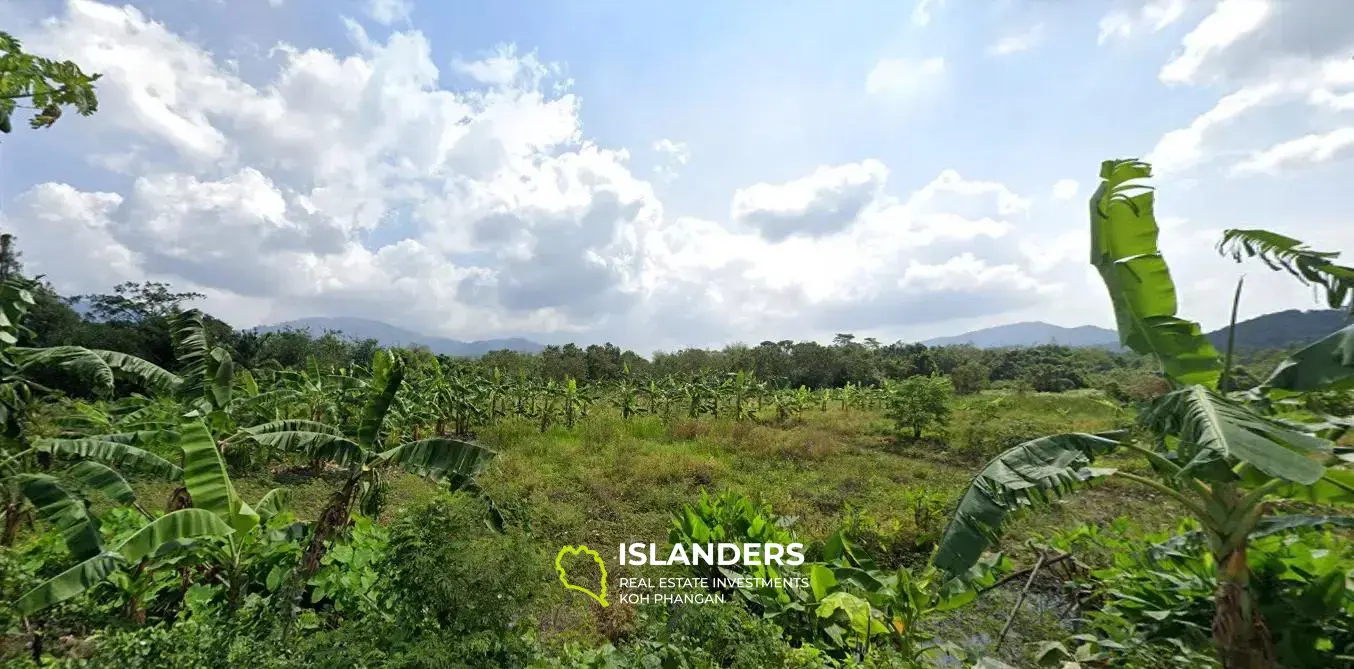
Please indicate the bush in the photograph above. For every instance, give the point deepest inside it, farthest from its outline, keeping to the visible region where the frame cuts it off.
(918, 402)
(454, 578)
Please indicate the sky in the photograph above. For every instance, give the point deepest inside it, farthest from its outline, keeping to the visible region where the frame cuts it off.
(662, 175)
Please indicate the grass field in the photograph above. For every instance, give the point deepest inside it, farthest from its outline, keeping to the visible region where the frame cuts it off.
(610, 481)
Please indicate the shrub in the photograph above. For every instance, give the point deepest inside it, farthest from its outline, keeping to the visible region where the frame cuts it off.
(969, 378)
(453, 577)
(918, 402)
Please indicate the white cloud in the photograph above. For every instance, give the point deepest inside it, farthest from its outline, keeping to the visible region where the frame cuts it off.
(903, 78)
(1230, 21)
(672, 156)
(822, 203)
(1065, 189)
(354, 183)
(1184, 148)
(1308, 149)
(1152, 16)
(1018, 42)
(676, 150)
(387, 12)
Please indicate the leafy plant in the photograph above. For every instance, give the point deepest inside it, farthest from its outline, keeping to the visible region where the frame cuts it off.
(1217, 457)
(918, 402)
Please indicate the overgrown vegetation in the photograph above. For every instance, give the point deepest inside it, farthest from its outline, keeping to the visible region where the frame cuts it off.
(176, 493)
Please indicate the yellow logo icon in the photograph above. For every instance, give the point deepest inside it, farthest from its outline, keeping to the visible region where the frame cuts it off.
(564, 578)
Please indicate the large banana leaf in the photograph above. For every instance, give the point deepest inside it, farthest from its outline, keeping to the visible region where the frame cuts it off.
(100, 366)
(315, 445)
(387, 373)
(103, 478)
(1327, 364)
(1032, 473)
(220, 378)
(113, 450)
(294, 424)
(1211, 426)
(440, 459)
(204, 475)
(64, 509)
(174, 527)
(1124, 250)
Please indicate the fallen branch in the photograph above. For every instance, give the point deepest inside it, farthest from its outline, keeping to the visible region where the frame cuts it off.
(1025, 572)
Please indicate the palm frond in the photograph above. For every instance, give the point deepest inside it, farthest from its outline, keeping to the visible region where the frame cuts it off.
(1285, 254)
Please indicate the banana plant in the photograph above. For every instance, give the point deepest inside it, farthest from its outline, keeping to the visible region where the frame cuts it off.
(1217, 457)
(216, 511)
(364, 456)
(570, 399)
(740, 386)
(626, 398)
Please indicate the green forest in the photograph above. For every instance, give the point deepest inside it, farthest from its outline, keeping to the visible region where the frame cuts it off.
(177, 492)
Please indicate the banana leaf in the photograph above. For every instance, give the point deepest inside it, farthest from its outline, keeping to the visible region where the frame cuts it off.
(1124, 250)
(1032, 473)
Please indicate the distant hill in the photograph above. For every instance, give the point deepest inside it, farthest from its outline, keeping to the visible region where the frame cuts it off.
(389, 335)
(1032, 334)
(1283, 329)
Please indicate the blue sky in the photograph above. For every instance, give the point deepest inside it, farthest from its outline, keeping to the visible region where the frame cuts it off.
(667, 174)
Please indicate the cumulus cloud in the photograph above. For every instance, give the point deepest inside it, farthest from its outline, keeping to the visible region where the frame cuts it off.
(822, 203)
(1286, 56)
(352, 181)
(902, 77)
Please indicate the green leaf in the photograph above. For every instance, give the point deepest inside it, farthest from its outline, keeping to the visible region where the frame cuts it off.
(176, 526)
(273, 502)
(100, 366)
(1210, 425)
(204, 475)
(1124, 250)
(387, 374)
(315, 445)
(1032, 473)
(821, 580)
(113, 450)
(440, 459)
(1327, 364)
(68, 583)
(1264, 527)
(1307, 265)
(100, 477)
(64, 509)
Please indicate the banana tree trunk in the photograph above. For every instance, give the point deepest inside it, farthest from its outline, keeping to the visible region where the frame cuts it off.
(331, 520)
(1239, 631)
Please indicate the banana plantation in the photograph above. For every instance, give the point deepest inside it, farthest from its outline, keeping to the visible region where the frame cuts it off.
(403, 512)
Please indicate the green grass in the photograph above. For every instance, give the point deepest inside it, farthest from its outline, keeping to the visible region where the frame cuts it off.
(610, 481)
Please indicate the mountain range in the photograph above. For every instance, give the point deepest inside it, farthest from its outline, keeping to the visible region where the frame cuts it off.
(389, 335)
(1282, 329)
